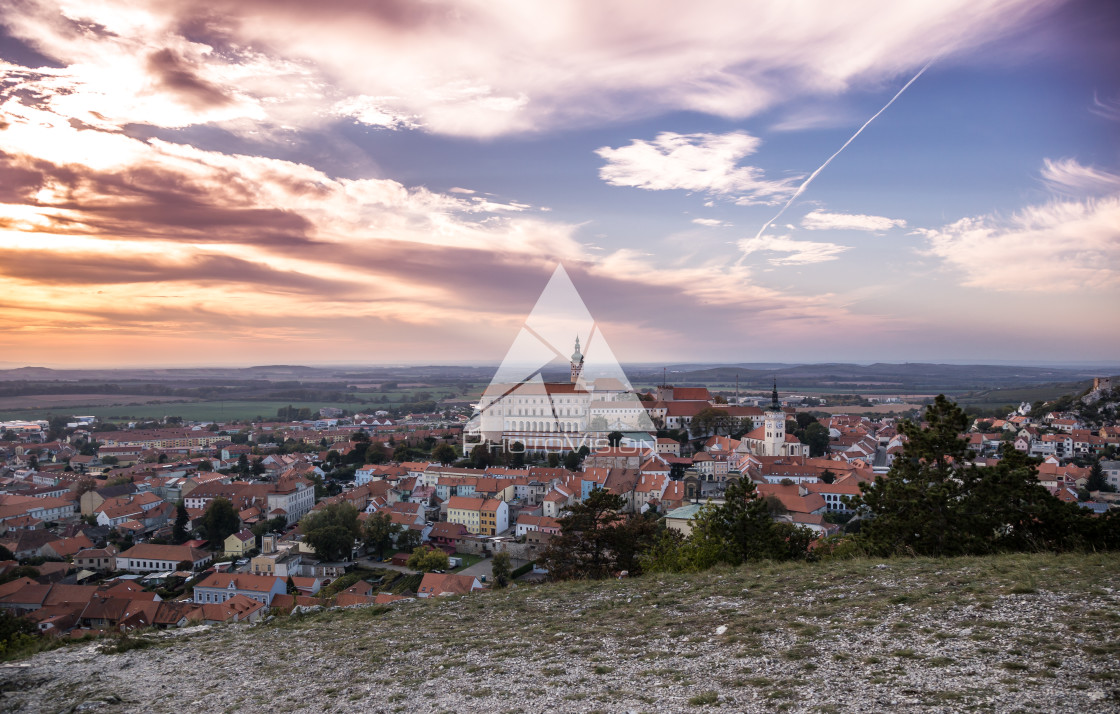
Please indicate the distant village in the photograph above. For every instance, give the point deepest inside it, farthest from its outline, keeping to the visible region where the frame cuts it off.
(102, 527)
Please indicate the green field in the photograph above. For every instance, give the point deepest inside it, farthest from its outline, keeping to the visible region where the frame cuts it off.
(189, 411)
(991, 398)
(241, 409)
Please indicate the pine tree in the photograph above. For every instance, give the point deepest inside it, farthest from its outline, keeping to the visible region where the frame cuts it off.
(912, 508)
(179, 532)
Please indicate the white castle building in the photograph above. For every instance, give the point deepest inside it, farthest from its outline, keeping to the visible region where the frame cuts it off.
(557, 416)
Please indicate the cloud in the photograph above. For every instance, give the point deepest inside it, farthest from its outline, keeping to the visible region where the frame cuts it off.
(710, 222)
(153, 241)
(374, 111)
(172, 73)
(1057, 247)
(446, 65)
(693, 162)
(1067, 176)
(1066, 245)
(800, 252)
(820, 221)
(1107, 108)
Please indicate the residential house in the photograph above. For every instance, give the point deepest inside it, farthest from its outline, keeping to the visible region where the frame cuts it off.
(447, 535)
(42, 509)
(239, 543)
(219, 587)
(67, 547)
(236, 608)
(466, 511)
(147, 558)
(666, 445)
(102, 560)
(533, 524)
(442, 584)
(28, 543)
(493, 517)
(276, 559)
(794, 498)
(834, 493)
(680, 519)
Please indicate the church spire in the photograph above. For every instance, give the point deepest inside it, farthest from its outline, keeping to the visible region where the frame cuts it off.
(577, 362)
(774, 404)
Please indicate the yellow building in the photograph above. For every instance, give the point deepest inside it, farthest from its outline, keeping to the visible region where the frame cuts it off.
(240, 543)
(466, 511)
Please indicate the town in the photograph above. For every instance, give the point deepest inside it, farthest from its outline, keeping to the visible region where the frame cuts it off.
(116, 528)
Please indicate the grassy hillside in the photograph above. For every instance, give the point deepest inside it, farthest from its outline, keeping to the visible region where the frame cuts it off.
(1009, 633)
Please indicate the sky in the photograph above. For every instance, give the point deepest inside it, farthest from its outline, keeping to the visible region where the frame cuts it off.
(344, 182)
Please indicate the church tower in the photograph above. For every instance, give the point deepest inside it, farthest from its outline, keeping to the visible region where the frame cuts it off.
(775, 420)
(577, 362)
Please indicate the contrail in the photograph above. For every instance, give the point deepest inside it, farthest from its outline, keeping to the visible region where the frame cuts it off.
(805, 184)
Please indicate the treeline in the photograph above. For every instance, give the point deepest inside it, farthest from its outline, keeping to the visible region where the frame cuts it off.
(930, 504)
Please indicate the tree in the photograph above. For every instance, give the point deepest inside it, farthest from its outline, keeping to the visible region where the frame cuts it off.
(596, 540)
(804, 419)
(501, 569)
(243, 464)
(179, 532)
(276, 524)
(711, 420)
(444, 454)
(218, 521)
(741, 528)
(817, 438)
(292, 589)
(331, 531)
(257, 467)
(614, 439)
(1005, 508)
(516, 455)
(912, 508)
(480, 455)
(110, 460)
(376, 453)
(378, 532)
(1097, 481)
(15, 632)
(931, 503)
(85, 485)
(408, 540)
(571, 461)
(828, 477)
(427, 559)
(553, 460)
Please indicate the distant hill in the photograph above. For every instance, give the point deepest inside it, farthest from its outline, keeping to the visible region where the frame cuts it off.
(908, 377)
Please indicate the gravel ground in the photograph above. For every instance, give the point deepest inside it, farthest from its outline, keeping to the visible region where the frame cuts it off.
(1013, 633)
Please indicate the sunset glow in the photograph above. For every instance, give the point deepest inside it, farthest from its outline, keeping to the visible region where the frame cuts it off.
(336, 182)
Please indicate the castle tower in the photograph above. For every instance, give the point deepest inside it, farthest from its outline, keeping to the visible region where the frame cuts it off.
(775, 421)
(577, 362)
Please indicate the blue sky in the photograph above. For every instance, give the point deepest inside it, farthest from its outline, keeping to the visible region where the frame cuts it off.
(396, 181)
